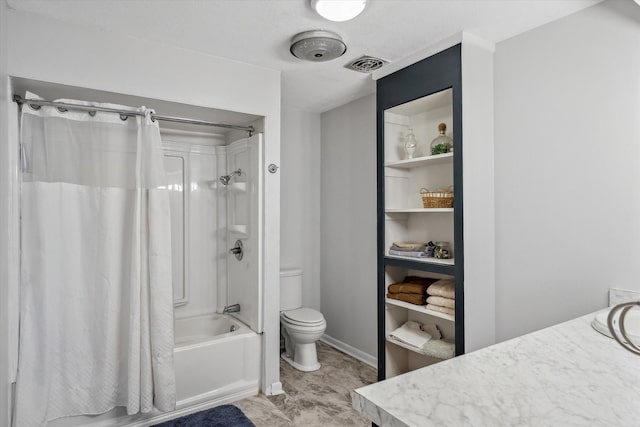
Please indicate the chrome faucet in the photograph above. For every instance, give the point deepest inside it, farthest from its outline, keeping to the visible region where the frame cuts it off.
(231, 309)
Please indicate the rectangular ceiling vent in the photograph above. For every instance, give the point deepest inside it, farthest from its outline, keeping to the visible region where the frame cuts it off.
(366, 64)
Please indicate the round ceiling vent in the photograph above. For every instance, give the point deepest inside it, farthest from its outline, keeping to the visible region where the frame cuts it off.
(317, 46)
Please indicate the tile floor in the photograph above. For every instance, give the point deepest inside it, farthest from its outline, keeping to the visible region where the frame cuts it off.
(321, 398)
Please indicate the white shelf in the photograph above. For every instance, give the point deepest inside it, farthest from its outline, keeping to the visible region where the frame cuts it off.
(449, 261)
(420, 161)
(419, 210)
(420, 309)
(238, 186)
(240, 230)
(433, 348)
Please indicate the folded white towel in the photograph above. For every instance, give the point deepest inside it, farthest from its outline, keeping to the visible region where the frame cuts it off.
(443, 288)
(441, 309)
(442, 301)
(408, 245)
(413, 333)
(408, 254)
(432, 330)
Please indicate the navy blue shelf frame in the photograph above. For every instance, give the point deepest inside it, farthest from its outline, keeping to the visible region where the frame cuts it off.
(418, 265)
(431, 75)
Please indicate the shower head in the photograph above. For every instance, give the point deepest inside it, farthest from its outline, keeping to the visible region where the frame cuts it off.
(226, 179)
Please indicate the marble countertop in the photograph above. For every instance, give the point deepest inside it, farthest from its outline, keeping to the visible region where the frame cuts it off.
(564, 375)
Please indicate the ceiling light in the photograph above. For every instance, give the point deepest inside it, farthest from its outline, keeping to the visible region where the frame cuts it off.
(338, 10)
(317, 46)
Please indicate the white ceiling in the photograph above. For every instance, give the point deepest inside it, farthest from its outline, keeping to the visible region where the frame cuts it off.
(259, 32)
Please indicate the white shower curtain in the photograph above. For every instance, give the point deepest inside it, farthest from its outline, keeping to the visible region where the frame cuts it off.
(96, 305)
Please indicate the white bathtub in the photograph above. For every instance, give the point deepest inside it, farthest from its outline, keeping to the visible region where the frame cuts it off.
(213, 366)
(214, 363)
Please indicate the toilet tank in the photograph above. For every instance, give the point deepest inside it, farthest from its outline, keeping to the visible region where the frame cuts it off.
(290, 289)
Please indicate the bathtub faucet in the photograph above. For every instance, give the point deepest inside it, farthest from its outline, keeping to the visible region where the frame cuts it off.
(231, 309)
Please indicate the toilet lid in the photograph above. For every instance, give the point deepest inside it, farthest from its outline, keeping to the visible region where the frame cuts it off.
(304, 315)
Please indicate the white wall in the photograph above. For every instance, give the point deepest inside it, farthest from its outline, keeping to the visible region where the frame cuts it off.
(348, 224)
(479, 197)
(78, 56)
(5, 220)
(300, 199)
(567, 167)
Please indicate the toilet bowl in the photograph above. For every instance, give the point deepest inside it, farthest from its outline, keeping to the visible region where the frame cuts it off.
(301, 327)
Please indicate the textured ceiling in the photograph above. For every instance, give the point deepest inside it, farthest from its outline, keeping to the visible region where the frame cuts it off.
(259, 31)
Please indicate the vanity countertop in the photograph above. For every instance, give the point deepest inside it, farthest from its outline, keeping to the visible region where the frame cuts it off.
(564, 375)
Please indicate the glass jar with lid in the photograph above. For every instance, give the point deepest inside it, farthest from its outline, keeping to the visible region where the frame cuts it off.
(410, 144)
(442, 143)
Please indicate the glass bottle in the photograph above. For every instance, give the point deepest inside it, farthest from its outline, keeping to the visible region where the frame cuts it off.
(442, 143)
(410, 144)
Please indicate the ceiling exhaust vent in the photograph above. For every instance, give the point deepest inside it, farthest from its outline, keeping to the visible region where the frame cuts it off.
(366, 64)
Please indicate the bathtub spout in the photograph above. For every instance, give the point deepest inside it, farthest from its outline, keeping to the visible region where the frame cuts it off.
(231, 309)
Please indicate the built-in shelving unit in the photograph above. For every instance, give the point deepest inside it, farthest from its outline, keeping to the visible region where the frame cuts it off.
(418, 98)
(418, 95)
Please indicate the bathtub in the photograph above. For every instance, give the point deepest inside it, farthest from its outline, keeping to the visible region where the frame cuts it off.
(214, 365)
(217, 359)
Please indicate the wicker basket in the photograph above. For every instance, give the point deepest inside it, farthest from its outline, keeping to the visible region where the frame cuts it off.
(437, 199)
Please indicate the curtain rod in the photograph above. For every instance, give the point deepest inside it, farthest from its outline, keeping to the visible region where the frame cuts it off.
(62, 107)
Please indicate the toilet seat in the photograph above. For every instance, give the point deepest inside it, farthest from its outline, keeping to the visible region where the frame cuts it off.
(303, 317)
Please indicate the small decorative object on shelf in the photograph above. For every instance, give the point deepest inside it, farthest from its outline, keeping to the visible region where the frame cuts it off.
(442, 250)
(410, 144)
(431, 250)
(437, 199)
(442, 143)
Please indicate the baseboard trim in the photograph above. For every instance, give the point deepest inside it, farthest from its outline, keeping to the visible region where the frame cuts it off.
(274, 389)
(351, 351)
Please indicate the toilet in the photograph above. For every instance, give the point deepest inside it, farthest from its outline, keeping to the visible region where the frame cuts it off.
(300, 326)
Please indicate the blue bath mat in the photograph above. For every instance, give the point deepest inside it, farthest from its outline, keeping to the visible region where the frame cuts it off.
(220, 416)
